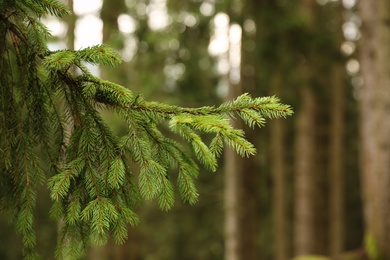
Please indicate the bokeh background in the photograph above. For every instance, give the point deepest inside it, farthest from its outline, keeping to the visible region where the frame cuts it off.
(301, 194)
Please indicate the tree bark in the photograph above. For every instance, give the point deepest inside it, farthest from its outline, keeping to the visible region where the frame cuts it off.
(232, 205)
(241, 187)
(109, 14)
(279, 191)
(249, 209)
(232, 194)
(304, 214)
(304, 178)
(71, 22)
(336, 169)
(337, 151)
(383, 47)
(375, 120)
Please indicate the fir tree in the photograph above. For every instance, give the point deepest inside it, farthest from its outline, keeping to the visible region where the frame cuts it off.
(50, 115)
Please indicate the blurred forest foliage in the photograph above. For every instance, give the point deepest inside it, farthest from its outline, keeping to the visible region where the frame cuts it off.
(301, 194)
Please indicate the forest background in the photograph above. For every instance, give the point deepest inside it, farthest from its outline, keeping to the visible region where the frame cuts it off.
(320, 183)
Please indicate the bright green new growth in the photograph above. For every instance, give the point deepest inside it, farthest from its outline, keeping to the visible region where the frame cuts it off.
(49, 115)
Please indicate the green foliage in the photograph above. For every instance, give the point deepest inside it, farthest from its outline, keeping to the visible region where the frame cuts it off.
(50, 102)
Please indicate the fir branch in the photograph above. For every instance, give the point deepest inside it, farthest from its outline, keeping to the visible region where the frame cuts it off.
(116, 173)
(166, 198)
(235, 138)
(53, 7)
(150, 179)
(201, 150)
(14, 29)
(71, 242)
(60, 60)
(100, 213)
(119, 231)
(60, 183)
(186, 184)
(73, 214)
(216, 145)
(57, 210)
(260, 105)
(93, 188)
(99, 54)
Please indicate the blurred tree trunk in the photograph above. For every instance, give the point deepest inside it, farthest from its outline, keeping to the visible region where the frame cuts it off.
(126, 251)
(304, 242)
(320, 171)
(279, 191)
(250, 203)
(109, 14)
(304, 214)
(252, 167)
(375, 121)
(241, 179)
(336, 169)
(71, 22)
(337, 150)
(233, 202)
(240, 199)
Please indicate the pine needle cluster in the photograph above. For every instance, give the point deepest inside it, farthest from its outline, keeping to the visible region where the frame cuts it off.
(49, 115)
